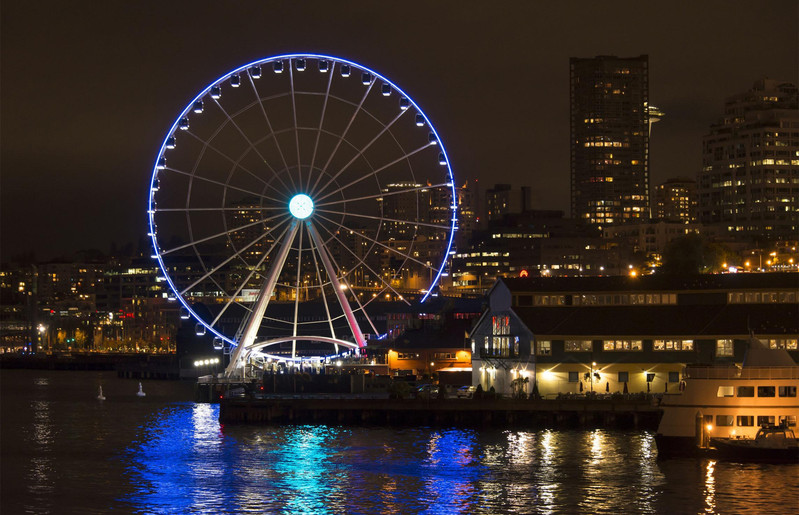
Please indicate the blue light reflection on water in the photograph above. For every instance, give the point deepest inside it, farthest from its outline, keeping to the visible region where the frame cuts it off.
(184, 461)
(174, 465)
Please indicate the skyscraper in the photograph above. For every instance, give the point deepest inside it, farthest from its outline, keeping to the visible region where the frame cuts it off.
(675, 200)
(609, 139)
(749, 182)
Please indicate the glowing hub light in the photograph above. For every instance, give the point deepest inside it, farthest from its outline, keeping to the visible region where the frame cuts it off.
(301, 206)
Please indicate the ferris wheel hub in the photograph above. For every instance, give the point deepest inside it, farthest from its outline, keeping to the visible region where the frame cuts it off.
(301, 206)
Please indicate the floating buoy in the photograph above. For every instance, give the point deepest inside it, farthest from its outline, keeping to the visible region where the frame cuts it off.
(140, 392)
(100, 396)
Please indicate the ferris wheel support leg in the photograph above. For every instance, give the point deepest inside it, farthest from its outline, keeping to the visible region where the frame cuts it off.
(342, 299)
(254, 322)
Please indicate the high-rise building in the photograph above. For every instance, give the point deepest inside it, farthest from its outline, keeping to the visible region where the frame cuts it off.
(610, 123)
(675, 200)
(503, 200)
(467, 213)
(749, 182)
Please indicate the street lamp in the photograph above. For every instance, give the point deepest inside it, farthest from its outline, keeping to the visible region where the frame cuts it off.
(42, 330)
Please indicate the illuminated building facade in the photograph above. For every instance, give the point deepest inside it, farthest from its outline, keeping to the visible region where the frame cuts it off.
(611, 334)
(676, 200)
(749, 182)
(610, 122)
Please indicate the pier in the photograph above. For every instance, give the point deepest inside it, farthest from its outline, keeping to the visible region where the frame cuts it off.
(370, 410)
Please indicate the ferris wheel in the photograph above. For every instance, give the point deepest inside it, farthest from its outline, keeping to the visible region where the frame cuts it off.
(294, 195)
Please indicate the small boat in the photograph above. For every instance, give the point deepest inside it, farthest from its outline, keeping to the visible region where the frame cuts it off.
(771, 444)
(100, 396)
(140, 393)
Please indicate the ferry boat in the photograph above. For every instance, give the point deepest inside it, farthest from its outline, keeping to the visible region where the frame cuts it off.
(729, 402)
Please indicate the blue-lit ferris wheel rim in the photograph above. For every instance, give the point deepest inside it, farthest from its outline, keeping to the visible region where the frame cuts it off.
(244, 68)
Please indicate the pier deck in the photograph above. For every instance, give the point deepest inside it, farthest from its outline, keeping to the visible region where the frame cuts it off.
(332, 409)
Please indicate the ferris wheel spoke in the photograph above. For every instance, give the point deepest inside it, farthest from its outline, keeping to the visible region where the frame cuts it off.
(249, 329)
(376, 171)
(382, 219)
(229, 259)
(220, 234)
(260, 263)
(218, 183)
(398, 252)
(236, 163)
(249, 142)
(315, 250)
(296, 130)
(364, 149)
(332, 274)
(331, 72)
(194, 209)
(274, 136)
(380, 195)
(343, 134)
(362, 262)
(358, 301)
(297, 291)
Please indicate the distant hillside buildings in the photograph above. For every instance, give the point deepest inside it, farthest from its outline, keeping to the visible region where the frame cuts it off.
(749, 182)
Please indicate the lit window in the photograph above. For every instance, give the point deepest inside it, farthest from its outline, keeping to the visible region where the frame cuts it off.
(745, 420)
(577, 345)
(724, 348)
(724, 420)
(544, 348)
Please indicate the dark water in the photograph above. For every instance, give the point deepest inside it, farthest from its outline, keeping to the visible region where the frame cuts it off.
(63, 451)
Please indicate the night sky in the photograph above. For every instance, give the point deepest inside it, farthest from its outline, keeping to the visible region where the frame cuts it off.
(89, 88)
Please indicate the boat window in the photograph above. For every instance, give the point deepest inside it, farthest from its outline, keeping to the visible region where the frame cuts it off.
(726, 391)
(746, 391)
(574, 377)
(674, 377)
(624, 377)
(765, 391)
(765, 420)
(724, 420)
(789, 420)
(787, 391)
(724, 348)
(745, 420)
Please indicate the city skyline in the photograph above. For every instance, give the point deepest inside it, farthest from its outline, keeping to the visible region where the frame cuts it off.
(88, 94)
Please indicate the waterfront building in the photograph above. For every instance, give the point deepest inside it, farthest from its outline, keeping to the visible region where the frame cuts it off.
(502, 347)
(616, 334)
(749, 182)
(609, 144)
(676, 200)
(422, 339)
